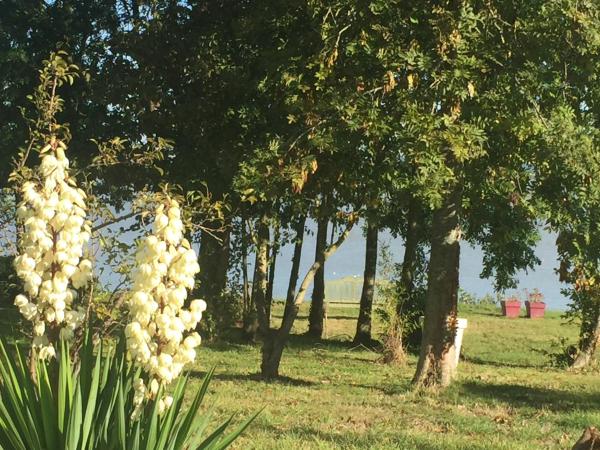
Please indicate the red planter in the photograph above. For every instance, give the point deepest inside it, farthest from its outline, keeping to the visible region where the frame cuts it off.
(535, 310)
(511, 308)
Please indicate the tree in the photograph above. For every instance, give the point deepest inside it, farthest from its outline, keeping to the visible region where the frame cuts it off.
(29, 34)
(363, 326)
(563, 128)
(275, 341)
(317, 305)
(410, 287)
(454, 70)
(273, 251)
(295, 270)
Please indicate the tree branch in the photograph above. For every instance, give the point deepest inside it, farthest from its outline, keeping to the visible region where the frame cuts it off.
(310, 275)
(113, 221)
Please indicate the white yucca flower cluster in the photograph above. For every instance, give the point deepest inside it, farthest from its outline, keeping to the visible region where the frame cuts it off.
(160, 334)
(51, 264)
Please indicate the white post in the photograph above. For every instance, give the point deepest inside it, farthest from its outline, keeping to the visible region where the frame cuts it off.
(461, 324)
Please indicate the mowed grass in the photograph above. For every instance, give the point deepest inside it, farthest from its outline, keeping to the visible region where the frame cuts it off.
(336, 396)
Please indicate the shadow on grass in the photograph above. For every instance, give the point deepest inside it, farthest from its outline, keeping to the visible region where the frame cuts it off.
(487, 362)
(237, 340)
(298, 317)
(534, 397)
(227, 345)
(496, 314)
(483, 312)
(329, 316)
(355, 434)
(305, 342)
(283, 380)
(398, 388)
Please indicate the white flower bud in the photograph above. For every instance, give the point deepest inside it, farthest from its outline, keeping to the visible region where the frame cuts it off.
(20, 301)
(47, 352)
(154, 386)
(39, 328)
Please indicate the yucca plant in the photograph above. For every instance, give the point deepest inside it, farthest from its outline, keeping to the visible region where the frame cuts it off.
(91, 396)
(88, 405)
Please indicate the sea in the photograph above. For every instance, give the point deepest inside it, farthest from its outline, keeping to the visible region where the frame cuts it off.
(349, 261)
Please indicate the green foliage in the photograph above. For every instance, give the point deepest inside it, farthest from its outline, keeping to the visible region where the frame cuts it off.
(467, 298)
(82, 30)
(560, 353)
(42, 123)
(584, 309)
(226, 311)
(399, 310)
(87, 403)
(7, 279)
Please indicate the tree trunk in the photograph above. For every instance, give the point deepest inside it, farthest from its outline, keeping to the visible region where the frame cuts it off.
(436, 364)
(409, 262)
(316, 314)
(246, 298)
(589, 440)
(363, 325)
(251, 315)
(275, 341)
(586, 354)
(214, 263)
(291, 291)
(271, 283)
(260, 281)
(394, 340)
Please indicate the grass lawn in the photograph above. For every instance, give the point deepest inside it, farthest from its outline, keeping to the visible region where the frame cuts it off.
(339, 397)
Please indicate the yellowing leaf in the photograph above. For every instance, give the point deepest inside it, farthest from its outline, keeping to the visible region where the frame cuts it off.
(390, 81)
(411, 80)
(471, 89)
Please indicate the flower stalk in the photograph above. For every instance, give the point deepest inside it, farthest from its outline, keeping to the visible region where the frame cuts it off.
(160, 334)
(51, 261)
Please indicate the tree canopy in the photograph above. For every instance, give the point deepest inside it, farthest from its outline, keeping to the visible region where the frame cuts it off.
(465, 120)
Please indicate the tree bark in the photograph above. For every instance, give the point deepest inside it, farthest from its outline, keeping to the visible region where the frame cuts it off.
(214, 264)
(316, 314)
(251, 315)
(589, 440)
(396, 339)
(275, 341)
(436, 360)
(363, 325)
(586, 354)
(246, 298)
(260, 282)
(291, 291)
(409, 262)
(254, 319)
(271, 282)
